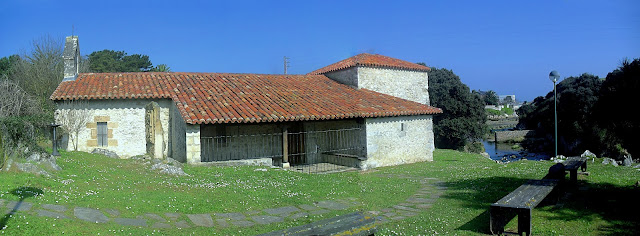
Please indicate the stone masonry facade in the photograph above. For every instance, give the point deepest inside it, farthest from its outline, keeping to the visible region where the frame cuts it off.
(393, 140)
(125, 121)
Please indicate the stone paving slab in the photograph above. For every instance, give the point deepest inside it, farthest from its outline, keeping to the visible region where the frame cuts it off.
(112, 212)
(155, 217)
(182, 224)
(282, 211)
(222, 223)
(253, 213)
(420, 200)
(19, 206)
(51, 214)
(1, 202)
(308, 207)
(173, 216)
(201, 219)
(332, 205)
(161, 225)
(299, 215)
(266, 219)
(242, 223)
(231, 216)
(319, 212)
(404, 208)
(423, 206)
(89, 214)
(52, 207)
(131, 222)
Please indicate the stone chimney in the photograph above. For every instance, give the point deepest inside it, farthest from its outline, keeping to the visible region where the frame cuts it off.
(71, 57)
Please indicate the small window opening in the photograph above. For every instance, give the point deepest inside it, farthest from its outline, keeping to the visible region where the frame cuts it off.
(102, 134)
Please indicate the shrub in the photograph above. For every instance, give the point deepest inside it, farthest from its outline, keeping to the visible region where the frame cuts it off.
(23, 132)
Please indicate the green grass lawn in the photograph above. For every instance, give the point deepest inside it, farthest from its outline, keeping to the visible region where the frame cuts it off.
(605, 202)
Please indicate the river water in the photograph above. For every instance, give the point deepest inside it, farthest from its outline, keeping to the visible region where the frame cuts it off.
(503, 152)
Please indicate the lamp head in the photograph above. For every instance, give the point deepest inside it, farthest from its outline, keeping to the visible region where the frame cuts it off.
(554, 76)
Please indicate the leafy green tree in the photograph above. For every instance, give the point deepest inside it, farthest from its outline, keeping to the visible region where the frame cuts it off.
(508, 100)
(118, 61)
(490, 98)
(576, 99)
(618, 125)
(6, 63)
(463, 118)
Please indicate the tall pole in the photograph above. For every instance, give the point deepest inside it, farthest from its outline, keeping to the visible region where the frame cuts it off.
(554, 76)
(555, 113)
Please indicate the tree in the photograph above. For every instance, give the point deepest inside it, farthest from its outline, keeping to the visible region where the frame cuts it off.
(508, 100)
(118, 61)
(6, 63)
(73, 117)
(161, 68)
(618, 125)
(491, 98)
(13, 100)
(39, 70)
(463, 118)
(576, 99)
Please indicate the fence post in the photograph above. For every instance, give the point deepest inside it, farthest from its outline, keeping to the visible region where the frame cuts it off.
(285, 148)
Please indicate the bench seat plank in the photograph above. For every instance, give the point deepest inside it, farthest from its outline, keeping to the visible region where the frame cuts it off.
(520, 202)
(573, 163)
(528, 195)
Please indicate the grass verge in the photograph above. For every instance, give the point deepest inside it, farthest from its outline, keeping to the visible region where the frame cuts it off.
(604, 202)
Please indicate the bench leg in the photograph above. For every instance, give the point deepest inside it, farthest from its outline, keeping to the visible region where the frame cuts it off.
(499, 217)
(574, 176)
(583, 167)
(524, 221)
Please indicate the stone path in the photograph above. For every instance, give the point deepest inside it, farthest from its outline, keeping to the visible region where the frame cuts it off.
(430, 190)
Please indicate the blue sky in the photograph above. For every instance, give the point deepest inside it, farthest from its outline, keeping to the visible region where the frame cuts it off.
(506, 46)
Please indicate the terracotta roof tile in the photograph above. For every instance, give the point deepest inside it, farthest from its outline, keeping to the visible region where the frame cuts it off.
(371, 60)
(206, 98)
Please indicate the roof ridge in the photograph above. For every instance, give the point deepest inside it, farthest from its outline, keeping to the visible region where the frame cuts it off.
(371, 60)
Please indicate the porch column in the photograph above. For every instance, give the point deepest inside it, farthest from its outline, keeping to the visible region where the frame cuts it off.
(285, 148)
(193, 144)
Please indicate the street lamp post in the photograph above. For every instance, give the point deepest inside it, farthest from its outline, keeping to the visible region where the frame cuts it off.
(554, 76)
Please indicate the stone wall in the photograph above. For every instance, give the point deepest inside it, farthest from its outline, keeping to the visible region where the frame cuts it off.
(347, 76)
(125, 123)
(192, 135)
(398, 140)
(514, 135)
(410, 85)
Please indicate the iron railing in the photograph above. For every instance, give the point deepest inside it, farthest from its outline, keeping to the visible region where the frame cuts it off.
(308, 151)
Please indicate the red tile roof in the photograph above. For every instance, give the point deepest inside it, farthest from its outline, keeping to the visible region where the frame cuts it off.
(371, 60)
(208, 98)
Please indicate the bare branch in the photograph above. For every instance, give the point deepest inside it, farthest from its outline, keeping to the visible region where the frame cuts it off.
(73, 117)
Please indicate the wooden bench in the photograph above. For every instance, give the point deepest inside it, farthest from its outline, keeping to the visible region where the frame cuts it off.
(350, 224)
(520, 202)
(572, 164)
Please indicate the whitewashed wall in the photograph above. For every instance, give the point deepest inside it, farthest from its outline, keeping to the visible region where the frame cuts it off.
(398, 140)
(126, 123)
(410, 85)
(406, 84)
